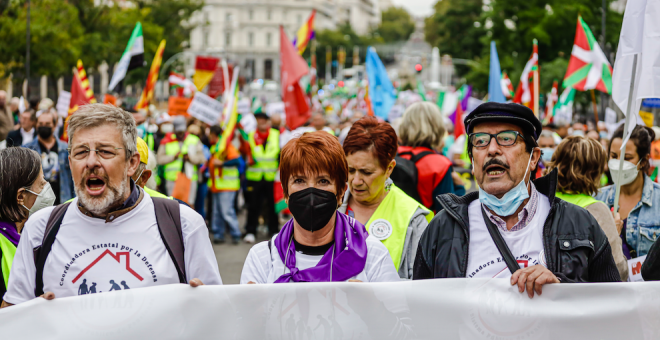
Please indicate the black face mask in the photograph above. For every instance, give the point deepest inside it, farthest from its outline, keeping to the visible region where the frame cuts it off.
(44, 131)
(312, 208)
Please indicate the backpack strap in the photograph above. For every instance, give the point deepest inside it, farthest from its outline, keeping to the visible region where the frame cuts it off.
(41, 252)
(416, 158)
(501, 245)
(168, 218)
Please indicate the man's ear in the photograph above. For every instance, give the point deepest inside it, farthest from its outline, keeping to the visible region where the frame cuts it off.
(146, 174)
(133, 164)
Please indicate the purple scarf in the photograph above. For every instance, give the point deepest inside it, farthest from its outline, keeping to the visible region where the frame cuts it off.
(350, 253)
(8, 230)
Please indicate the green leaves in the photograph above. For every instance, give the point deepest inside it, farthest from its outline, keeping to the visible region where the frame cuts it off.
(64, 31)
(396, 25)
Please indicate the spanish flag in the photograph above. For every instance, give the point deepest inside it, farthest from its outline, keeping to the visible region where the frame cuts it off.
(204, 69)
(305, 34)
(148, 92)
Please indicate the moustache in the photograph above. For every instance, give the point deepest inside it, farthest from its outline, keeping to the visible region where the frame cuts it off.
(495, 161)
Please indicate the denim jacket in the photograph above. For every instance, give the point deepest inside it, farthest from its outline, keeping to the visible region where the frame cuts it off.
(643, 224)
(66, 181)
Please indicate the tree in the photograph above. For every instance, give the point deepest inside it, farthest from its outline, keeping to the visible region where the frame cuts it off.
(456, 28)
(396, 25)
(343, 36)
(55, 38)
(64, 31)
(513, 24)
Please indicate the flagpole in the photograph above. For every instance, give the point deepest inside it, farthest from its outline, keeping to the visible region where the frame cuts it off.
(593, 100)
(625, 132)
(536, 92)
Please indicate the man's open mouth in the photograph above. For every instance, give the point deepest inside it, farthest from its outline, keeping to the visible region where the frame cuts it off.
(495, 170)
(95, 185)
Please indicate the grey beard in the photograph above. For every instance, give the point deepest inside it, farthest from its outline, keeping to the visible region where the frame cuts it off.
(101, 206)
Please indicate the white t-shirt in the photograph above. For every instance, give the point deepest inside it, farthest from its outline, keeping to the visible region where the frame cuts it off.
(526, 245)
(259, 268)
(92, 256)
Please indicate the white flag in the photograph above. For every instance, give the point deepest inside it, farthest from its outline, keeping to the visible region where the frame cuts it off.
(640, 35)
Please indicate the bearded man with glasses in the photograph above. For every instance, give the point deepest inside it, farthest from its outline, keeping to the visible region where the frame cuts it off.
(513, 227)
(112, 231)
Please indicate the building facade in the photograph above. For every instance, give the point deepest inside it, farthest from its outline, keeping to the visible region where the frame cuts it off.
(247, 32)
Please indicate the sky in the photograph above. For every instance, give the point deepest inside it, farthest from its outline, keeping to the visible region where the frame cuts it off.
(422, 8)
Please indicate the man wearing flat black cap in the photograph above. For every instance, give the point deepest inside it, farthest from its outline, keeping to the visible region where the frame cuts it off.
(514, 227)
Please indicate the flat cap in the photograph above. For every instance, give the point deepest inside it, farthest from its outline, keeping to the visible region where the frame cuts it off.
(506, 113)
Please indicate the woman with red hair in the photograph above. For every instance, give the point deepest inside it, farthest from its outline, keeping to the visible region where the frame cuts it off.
(391, 216)
(318, 244)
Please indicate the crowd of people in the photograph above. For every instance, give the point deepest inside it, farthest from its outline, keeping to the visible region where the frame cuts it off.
(364, 199)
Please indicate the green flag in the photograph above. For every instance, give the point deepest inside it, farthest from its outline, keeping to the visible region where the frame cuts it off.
(132, 58)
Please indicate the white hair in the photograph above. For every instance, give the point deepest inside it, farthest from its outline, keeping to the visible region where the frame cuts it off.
(94, 115)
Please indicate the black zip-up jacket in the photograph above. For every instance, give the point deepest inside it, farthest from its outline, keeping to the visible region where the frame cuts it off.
(576, 248)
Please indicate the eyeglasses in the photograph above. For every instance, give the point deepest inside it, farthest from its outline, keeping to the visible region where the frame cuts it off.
(504, 138)
(82, 153)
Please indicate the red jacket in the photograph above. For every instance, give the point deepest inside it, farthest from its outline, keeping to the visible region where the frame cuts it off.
(431, 169)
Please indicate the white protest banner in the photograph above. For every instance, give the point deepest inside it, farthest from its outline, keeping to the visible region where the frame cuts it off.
(205, 108)
(428, 309)
(63, 102)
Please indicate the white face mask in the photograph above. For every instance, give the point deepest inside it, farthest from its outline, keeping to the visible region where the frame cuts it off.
(628, 173)
(45, 199)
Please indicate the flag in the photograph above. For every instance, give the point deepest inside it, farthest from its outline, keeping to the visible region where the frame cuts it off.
(507, 87)
(219, 83)
(21, 105)
(640, 36)
(292, 69)
(421, 90)
(550, 102)
(525, 93)
(588, 68)
(231, 116)
(381, 91)
(148, 92)
(459, 126)
(204, 69)
(441, 98)
(182, 84)
(305, 34)
(132, 58)
(495, 93)
(562, 113)
(257, 106)
(78, 98)
(84, 83)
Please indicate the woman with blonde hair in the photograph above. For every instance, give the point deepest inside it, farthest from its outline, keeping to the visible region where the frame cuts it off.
(580, 163)
(421, 133)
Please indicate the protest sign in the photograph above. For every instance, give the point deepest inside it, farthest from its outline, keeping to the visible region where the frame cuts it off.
(205, 108)
(178, 106)
(63, 102)
(635, 269)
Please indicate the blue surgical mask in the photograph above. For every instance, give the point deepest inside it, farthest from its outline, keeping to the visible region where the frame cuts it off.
(546, 154)
(509, 203)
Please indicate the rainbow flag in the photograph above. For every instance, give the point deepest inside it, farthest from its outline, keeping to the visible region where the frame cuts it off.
(148, 92)
(305, 34)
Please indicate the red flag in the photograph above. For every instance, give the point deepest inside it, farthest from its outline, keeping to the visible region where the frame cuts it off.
(459, 127)
(217, 84)
(292, 69)
(78, 98)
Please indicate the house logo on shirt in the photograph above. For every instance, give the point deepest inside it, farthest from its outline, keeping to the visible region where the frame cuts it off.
(116, 267)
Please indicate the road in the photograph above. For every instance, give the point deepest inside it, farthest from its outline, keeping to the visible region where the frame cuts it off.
(232, 256)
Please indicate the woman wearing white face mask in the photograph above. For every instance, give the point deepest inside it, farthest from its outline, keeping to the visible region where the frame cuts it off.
(23, 191)
(638, 220)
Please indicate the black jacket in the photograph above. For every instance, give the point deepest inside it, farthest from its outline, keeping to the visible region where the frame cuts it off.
(15, 138)
(576, 248)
